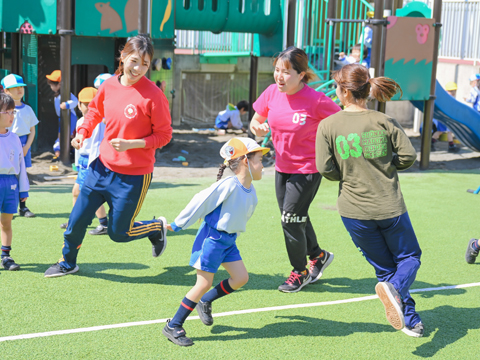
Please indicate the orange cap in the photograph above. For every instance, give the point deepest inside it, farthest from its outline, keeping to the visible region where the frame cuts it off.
(56, 76)
(87, 94)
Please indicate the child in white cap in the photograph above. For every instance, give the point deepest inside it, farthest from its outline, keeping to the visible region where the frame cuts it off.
(225, 208)
(24, 124)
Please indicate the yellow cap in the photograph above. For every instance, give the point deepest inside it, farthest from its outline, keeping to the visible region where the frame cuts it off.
(449, 86)
(87, 94)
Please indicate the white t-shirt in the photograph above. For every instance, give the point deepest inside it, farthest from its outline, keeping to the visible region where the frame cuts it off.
(11, 159)
(24, 119)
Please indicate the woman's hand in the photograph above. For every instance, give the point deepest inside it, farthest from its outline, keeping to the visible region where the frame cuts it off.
(77, 141)
(258, 125)
(260, 129)
(120, 145)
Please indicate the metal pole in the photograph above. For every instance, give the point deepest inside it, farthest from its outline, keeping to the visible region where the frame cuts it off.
(331, 14)
(65, 32)
(292, 5)
(16, 68)
(252, 93)
(143, 10)
(376, 54)
(430, 103)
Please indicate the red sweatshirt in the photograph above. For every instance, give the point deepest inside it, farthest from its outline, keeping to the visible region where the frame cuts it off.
(139, 111)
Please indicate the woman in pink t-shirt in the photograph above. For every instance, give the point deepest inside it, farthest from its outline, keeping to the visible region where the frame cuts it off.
(294, 111)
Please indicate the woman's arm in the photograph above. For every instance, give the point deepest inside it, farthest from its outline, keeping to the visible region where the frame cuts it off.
(324, 157)
(258, 126)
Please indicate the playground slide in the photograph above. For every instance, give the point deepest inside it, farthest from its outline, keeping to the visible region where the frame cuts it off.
(461, 119)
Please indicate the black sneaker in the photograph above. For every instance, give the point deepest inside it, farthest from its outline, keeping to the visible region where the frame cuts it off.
(159, 240)
(416, 331)
(204, 310)
(99, 230)
(64, 225)
(26, 212)
(58, 270)
(471, 254)
(453, 148)
(319, 264)
(295, 282)
(177, 335)
(392, 302)
(9, 264)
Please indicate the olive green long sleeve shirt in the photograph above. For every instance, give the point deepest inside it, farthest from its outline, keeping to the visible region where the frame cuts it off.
(363, 150)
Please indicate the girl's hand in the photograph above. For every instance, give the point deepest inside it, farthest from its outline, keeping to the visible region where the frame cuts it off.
(169, 227)
(260, 129)
(25, 151)
(77, 141)
(63, 106)
(120, 144)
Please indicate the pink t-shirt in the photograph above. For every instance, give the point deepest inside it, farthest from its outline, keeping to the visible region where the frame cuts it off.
(294, 121)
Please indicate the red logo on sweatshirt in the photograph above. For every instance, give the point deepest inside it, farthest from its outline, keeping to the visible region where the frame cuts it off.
(130, 111)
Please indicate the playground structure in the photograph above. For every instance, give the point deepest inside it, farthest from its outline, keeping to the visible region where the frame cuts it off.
(322, 28)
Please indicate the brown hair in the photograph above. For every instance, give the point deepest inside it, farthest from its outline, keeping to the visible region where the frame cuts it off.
(233, 164)
(140, 44)
(297, 59)
(6, 102)
(356, 79)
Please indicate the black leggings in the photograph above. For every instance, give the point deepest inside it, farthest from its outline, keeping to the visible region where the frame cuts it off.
(295, 193)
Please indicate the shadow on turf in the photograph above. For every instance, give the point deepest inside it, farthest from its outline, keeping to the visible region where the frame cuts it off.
(451, 324)
(294, 326)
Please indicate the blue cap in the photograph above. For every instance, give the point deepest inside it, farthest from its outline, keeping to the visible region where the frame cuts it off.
(12, 80)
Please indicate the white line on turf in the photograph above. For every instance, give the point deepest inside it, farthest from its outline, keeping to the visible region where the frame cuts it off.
(229, 313)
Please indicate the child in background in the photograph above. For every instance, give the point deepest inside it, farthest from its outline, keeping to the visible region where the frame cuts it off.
(225, 208)
(54, 80)
(23, 125)
(354, 57)
(230, 119)
(451, 89)
(363, 150)
(13, 177)
(474, 94)
(85, 155)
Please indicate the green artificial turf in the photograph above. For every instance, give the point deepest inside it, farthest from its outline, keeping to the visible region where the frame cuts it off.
(121, 283)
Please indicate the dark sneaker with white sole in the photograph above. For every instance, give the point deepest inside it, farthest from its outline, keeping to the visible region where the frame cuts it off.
(177, 335)
(26, 213)
(416, 331)
(471, 254)
(159, 240)
(392, 302)
(204, 310)
(58, 270)
(319, 264)
(99, 230)
(295, 282)
(9, 264)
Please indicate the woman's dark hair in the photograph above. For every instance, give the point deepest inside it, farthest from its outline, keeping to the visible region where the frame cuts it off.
(356, 79)
(6, 102)
(297, 59)
(233, 164)
(140, 44)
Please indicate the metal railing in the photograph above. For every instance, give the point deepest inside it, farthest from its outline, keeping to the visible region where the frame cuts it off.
(461, 29)
(205, 41)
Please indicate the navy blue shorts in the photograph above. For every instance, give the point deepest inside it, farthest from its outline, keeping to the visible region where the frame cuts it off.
(9, 194)
(212, 248)
(28, 157)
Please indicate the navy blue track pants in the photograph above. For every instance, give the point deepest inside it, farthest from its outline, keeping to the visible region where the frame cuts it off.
(124, 195)
(392, 248)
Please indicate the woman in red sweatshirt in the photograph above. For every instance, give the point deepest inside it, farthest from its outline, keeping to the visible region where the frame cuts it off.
(137, 122)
